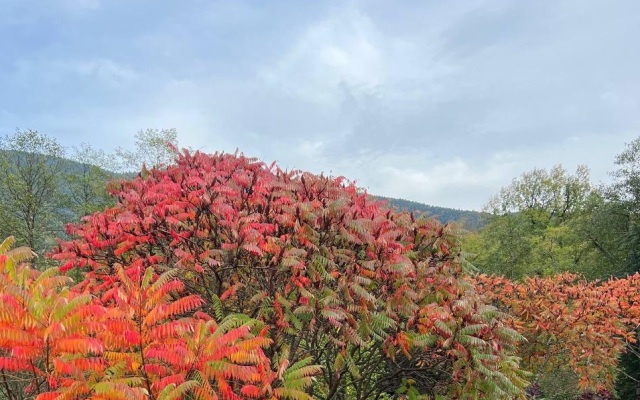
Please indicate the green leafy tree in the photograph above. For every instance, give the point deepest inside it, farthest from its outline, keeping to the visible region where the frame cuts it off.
(538, 226)
(30, 198)
(86, 183)
(543, 195)
(547, 222)
(623, 219)
(602, 225)
(624, 193)
(153, 148)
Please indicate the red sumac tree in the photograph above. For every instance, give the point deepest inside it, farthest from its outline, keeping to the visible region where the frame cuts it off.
(366, 299)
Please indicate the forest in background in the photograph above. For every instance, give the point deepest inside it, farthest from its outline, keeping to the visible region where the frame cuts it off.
(549, 228)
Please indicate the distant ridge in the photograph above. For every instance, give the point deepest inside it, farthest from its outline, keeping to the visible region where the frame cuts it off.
(471, 220)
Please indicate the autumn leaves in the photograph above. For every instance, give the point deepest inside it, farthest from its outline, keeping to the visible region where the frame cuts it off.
(135, 340)
(221, 277)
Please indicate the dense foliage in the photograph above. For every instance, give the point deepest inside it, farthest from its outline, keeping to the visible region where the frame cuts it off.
(374, 297)
(552, 222)
(217, 276)
(544, 223)
(134, 340)
(570, 324)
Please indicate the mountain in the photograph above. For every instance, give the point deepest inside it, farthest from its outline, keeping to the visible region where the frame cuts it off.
(471, 220)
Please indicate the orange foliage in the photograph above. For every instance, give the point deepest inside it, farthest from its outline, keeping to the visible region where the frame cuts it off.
(136, 341)
(570, 322)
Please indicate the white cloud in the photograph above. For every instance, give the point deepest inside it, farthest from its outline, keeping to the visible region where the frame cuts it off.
(441, 102)
(310, 148)
(340, 50)
(455, 183)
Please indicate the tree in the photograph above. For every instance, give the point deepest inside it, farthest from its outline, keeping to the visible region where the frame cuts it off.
(602, 225)
(30, 198)
(624, 193)
(544, 195)
(154, 148)
(367, 299)
(543, 223)
(623, 197)
(86, 184)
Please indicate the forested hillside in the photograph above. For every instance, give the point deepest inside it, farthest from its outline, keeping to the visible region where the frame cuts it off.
(471, 220)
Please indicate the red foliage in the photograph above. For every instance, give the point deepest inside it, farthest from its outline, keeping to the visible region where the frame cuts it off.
(326, 268)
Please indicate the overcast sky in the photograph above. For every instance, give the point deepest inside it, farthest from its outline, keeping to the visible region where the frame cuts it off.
(441, 102)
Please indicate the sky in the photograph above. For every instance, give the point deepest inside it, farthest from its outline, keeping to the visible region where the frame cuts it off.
(438, 101)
